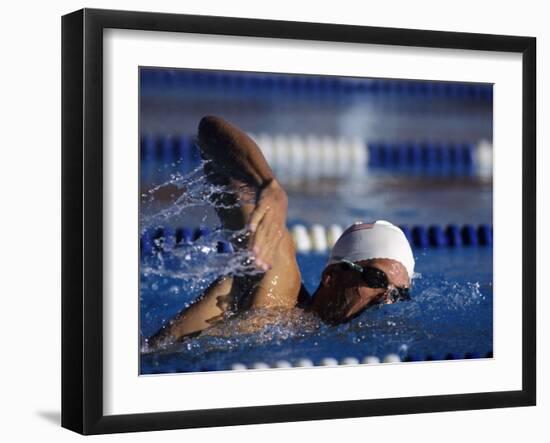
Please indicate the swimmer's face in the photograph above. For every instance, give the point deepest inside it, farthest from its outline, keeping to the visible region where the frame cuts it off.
(352, 294)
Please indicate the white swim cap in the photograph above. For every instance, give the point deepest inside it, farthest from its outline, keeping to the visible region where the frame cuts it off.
(365, 241)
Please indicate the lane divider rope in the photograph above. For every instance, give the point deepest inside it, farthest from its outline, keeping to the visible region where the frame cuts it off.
(155, 79)
(320, 239)
(347, 361)
(313, 156)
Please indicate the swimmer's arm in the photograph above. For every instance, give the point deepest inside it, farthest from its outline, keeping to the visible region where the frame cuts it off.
(235, 156)
(206, 310)
(233, 152)
(280, 285)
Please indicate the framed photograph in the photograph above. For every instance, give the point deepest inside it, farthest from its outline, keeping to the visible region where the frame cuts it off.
(263, 220)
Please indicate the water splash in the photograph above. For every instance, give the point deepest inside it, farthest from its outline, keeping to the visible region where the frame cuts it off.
(257, 326)
(184, 191)
(195, 263)
(245, 331)
(200, 259)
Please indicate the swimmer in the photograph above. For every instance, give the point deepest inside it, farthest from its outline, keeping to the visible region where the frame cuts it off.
(371, 263)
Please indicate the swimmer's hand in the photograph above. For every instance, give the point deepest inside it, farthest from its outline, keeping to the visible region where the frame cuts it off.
(267, 223)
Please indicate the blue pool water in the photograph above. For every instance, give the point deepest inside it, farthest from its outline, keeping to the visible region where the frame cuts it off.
(450, 315)
(398, 197)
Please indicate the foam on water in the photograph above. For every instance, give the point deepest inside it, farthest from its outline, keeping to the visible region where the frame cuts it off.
(198, 261)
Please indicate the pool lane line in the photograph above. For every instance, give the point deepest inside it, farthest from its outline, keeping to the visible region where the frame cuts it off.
(347, 361)
(306, 362)
(227, 83)
(317, 238)
(311, 156)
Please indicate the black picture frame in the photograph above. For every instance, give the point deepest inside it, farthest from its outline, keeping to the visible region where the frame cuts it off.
(82, 218)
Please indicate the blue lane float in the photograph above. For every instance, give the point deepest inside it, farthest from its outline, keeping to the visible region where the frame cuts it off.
(320, 239)
(454, 236)
(184, 236)
(420, 237)
(436, 236)
(469, 235)
(201, 232)
(485, 234)
(442, 158)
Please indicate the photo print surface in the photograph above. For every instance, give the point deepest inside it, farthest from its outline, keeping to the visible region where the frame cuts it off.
(292, 220)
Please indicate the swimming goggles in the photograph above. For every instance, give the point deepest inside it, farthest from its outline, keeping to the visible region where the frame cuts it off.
(376, 278)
